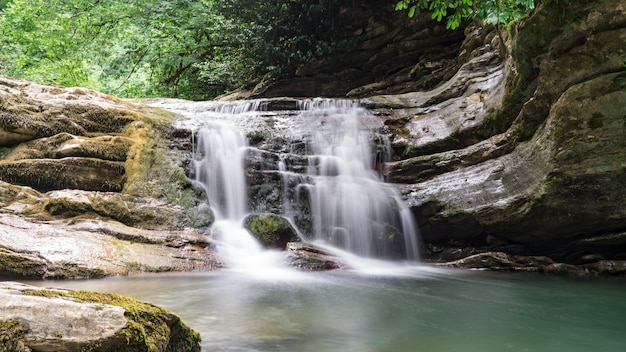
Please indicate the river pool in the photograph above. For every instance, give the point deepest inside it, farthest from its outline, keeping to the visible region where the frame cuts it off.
(408, 309)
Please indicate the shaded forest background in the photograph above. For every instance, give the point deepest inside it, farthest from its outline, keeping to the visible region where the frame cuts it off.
(193, 49)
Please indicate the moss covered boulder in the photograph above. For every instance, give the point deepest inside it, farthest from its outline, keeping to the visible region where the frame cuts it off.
(273, 231)
(38, 319)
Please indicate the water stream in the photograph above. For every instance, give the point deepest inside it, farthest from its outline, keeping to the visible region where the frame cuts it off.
(404, 310)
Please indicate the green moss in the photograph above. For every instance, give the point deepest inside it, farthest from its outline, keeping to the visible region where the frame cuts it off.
(271, 230)
(64, 207)
(15, 265)
(12, 337)
(139, 267)
(150, 328)
(149, 171)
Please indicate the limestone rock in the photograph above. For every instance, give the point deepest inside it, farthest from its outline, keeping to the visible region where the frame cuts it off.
(61, 320)
(554, 177)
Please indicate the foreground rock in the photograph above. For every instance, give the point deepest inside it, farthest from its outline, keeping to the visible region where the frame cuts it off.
(37, 319)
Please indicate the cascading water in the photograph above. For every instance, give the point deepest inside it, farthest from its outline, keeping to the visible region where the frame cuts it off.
(347, 204)
(219, 166)
(351, 208)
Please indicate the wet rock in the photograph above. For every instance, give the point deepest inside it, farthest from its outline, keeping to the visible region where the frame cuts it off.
(608, 267)
(500, 261)
(61, 320)
(308, 257)
(273, 231)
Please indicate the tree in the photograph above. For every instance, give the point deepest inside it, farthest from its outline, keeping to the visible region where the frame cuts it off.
(193, 49)
(455, 11)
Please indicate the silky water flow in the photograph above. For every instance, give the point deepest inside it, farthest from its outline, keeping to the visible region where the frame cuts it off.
(351, 208)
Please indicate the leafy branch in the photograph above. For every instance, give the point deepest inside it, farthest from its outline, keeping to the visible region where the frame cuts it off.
(494, 12)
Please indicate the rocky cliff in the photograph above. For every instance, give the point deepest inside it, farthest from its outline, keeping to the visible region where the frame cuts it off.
(513, 141)
(543, 172)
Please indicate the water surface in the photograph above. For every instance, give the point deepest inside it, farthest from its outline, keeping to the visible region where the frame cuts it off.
(413, 309)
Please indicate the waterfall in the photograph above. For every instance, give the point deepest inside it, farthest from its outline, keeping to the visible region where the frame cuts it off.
(351, 207)
(338, 186)
(219, 158)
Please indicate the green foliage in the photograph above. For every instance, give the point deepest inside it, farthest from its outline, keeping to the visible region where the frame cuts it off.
(128, 48)
(456, 11)
(177, 48)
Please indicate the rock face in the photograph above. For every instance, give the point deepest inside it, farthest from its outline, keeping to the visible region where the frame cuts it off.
(381, 51)
(518, 143)
(554, 181)
(89, 186)
(38, 319)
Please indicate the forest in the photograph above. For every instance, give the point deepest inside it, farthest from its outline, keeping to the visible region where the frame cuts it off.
(192, 49)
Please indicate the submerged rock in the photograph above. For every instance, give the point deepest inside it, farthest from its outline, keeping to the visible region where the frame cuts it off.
(32, 318)
(308, 257)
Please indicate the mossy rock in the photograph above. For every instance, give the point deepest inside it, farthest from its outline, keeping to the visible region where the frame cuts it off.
(123, 208)
(62, 145)
(73, 173)
(12, 337)
(273, 231)
(149, 328)
(20, 265)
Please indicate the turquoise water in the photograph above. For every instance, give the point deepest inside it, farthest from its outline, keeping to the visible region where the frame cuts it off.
(417, 309)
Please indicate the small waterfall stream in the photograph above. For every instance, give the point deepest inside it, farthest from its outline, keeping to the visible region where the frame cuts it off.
(349, 206)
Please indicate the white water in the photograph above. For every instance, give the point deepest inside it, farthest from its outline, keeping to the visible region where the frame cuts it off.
(351, 208)
(219, 167)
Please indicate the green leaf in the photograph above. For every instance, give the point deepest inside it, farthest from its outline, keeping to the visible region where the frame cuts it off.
(412, 11)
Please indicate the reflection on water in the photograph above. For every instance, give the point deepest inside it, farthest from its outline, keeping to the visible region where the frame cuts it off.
(416, 309)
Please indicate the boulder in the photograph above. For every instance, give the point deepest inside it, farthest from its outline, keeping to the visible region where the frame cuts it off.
(273, 231)
(38, 319)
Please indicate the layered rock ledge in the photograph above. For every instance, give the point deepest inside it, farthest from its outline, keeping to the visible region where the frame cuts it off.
(92, 186)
